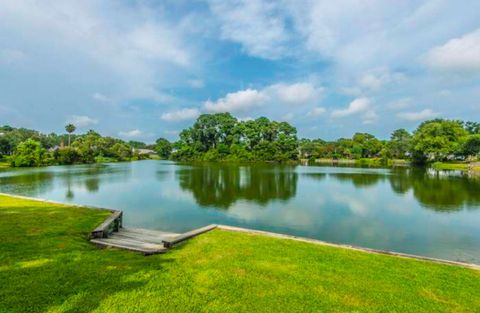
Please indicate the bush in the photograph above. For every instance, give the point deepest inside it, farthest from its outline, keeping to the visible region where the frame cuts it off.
(67, 156)
(29, 153)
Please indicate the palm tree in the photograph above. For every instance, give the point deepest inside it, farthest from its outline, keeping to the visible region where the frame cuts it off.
(70, 128)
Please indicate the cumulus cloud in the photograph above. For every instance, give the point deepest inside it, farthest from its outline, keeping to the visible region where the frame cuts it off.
(253, 24)
(288, 117)
(458, 54)
(417, 116)
(239, 101)
(297, 93)
(196, 83)
(280, 93)
(317, 111)
(132, 45)
(181, 115)
(369, 117)
(101, 97)
(359, 105)
(81, 120)
(12, 56)
(400, 104)
(134, 133)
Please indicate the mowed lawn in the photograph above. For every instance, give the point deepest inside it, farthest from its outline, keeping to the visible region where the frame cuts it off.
(47, 265)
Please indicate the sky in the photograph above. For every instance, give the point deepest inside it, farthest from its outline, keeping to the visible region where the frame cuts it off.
(140, 70)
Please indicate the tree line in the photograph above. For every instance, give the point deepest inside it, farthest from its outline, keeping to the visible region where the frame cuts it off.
(222, 137)
(433, 140)
(26, 148)
(215, 137)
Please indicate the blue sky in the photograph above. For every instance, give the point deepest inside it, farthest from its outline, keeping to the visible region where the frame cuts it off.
(141, 70)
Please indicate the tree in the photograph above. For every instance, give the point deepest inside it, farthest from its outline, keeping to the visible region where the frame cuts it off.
(137, 144)
(471, 147)
(122, 151)
(472, 127)
(29, 153)
(366, 144)
(438, 140)
(163, 147)
(67, 156)
(70, 128)
(400, 142)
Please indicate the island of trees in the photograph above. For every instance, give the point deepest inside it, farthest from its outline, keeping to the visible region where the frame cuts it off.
(222, 137)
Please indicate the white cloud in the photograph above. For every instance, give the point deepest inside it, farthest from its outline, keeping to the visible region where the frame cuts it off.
(81, 120)
(101, 97)
(181, 115)
(369, 117)
(245, 119)
(280, 93)
(376, 78)
(317, 111)
(358, 105)
(12, 56)
(458, 54)
(130, 133)
(288, 117)
(400, 104)
(297, 93)
(132, 45)
(254, 24)
(196, 83)
(417, 116)
(239, 101)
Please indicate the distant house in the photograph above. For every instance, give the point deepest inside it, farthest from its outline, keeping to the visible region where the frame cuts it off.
(144, 151)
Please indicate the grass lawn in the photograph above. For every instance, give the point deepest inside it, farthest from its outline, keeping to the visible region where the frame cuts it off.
(450, 166)
(47, 265)
(4, 164)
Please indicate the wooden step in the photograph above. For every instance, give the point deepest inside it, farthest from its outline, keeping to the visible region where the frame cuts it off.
(130, 244)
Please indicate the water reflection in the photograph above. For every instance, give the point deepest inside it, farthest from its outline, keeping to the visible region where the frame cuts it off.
(35, 182)
(440, 191)
(222, 185)
(360, 179)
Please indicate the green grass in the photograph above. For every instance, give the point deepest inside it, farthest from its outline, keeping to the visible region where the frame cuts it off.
(4, 164)
(450, 166)
(47, 265)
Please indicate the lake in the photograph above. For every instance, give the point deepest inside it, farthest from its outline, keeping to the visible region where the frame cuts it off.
(424, 212)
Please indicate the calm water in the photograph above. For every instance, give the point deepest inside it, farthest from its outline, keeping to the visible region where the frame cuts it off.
(414, 211)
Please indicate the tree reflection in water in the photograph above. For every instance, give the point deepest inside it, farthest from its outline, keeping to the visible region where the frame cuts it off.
(222, 185)
(442, 191)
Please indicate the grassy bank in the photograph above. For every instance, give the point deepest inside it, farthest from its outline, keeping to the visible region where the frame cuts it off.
(4, 164)
(364, 162)
(47, 265)
(453, 166)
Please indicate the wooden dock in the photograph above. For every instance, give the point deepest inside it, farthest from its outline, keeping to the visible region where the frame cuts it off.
(112, 234)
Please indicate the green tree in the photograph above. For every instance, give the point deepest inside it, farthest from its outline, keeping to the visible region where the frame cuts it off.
(472, 127)
(70, 128)
(163, 147)
(366, 144)
(438, 140)
(471, 147)
(67, 156)
(29, 153)
(137, 144)
(122, 151)
(400, 143)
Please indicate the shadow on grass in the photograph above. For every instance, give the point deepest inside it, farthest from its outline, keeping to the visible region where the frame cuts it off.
(47, 264)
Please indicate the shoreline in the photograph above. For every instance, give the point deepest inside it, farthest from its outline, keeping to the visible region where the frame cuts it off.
(283, 236)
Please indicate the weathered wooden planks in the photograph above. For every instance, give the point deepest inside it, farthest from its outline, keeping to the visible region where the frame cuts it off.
(182, 237)
(137, 246)
(112, 224)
